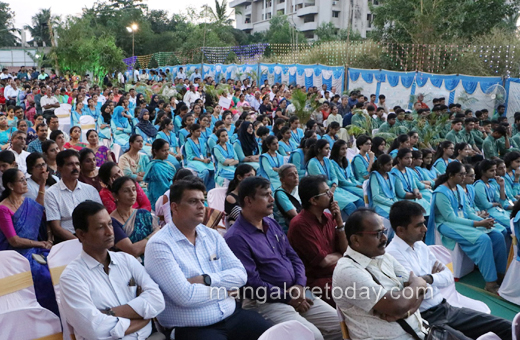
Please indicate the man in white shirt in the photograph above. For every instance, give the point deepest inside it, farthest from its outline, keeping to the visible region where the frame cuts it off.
(5, 74)
(407, 247)
(191, 96)
(136, 75)
(133, 98)
(11, 93)
(18, 139)
(181, 74)
(63, 197)
(195, 75)
(369, 285)
(49, 103)
(256, 101)
(105, 294)
(198, 274)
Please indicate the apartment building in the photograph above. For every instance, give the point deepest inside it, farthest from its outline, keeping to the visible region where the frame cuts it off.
(306, 15)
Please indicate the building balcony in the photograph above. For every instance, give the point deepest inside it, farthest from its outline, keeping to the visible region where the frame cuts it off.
(308, 26)
(307, 10)
(244, 26)
(236, 3)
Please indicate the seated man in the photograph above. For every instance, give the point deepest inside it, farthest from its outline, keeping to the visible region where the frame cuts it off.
(275, 274)
(7, 161)
(106, 295)
(64, 196)
(317, 236)
(369, 285)
(197, 273)
(412, 253)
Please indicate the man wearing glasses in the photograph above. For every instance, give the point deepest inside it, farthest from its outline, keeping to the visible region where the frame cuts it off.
(369, 285)
(318, 237)
(18, 139)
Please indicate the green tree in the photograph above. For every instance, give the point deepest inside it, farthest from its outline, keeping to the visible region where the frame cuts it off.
(281, 31)
(42, 23)
(220, 14)
(327, 31)
(7, 30)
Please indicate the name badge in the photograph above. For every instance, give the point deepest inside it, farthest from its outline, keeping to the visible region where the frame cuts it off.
(461, 213)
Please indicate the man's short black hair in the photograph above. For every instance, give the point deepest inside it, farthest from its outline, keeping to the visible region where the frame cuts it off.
(7, 156)
(355, 222)
(178, 188)
(309, 188)
(83, 211)
(249, 186)
(65, 154)
(54, 134)
(501, 130)
(51, 117)
(402, 212)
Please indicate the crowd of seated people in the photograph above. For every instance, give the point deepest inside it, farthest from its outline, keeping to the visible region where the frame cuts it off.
(304, 206)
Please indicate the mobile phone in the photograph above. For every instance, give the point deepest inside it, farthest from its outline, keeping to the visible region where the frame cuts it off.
(309, 295)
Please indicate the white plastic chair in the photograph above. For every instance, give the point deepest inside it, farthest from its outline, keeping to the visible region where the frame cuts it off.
(30, 323)
(352, 152)
(510, 289)
(217, 198)
(63, 115)
(489, 336)
(59, 257)
(461, 263)
(116, 149)
(450, 293)
(516, 327)
(289, 330)
(86, 123)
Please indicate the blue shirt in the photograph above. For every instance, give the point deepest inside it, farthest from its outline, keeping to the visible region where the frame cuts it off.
(271, 263)
(347, 120)
(35, 146)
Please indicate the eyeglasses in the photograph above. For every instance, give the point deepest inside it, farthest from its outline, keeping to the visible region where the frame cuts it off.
(21, 180)
(40, 166)
(462, 174)
(378, 233)
(328, 193)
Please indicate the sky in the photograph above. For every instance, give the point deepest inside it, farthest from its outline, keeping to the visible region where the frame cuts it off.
(25, 9)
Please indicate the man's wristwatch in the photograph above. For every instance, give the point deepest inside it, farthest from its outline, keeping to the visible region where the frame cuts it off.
(109, 311)
(207, 279)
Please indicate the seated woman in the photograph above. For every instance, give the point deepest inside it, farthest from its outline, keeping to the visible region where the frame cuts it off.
(146, 130)
(205, 131)
(213, 139)
(487, 195)
(162, 206)
(461, 152)
(246, 146)
(298, 156)
(287, 145)
(277, 126)
(50, 152)
(215, 116)
(478, 238)
(242, 172)
(362, 162)
(226, 157)
(108, 173)
(227, 118)
(23, 228)
(121, 126)
(469, 189)
(197, 157)
(103, 124)
(427, 168)
(319, 164)
(296, 132)
(331, 133)
(102, 152)
(40, 179)
(59, 137)
(510, 199)
(420, 173)
(166, 133)
(270, 162)
(88, 173)
(287, 203)
(160, 172)
(132, 227)
(401, 142)
(187, 121)
(92, 108)
(442, 156)
(381, 186)
(182, 110)
(378, 146)
(406, 185)
(340, 164)
(414, 139)
(75, 136)
(77, 112)
(133, 162)
(512, 174)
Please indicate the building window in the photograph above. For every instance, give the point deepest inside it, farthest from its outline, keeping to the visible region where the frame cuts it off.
(376, 2)
(335, 3)
(335, 14)
(308, 18)
(281, 1)
(309, 35)
(269, 15)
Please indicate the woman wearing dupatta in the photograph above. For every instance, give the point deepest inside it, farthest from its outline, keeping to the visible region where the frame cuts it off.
(488, 195)
(426, 171)
(103, 125)
(183, 134)
(340, 163)
(23, 228)
(406, 185)
(362, 162)
(146, 129)
(76, 114)
(92, 109)
(296, 133)
(132, 162)
(482, 240)
(443, 156)
(287, 145)
(132, 227)
(246, 146)
(298, 156)
(381, 187)
(270, 162)
(512, 174)
(227, 159)
(319, 164)
(121, 127)
(160, 172)
(166, 133)
(197, 157)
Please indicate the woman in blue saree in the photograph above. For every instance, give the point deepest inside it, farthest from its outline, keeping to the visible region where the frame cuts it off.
(401, 142)
(270, 162)
(181, 111)
(213, 139)
(424, 183)
(298, 156)
(296, 132)
(481, 239)
(187, 121)
(246, 146)
(487, 194)
(226, 157)
(425, 171)
(159, 172)
(215, 116)
(132, 227)
(205, 131)
(406, 185)
(23, 228)
(362, 162)
(341, 165)
(166, 133)
(381, 186)
(512, 175)
(331, 133)
(443, 155)
(287, 145)
(319, 164)
(121, 127)
(197, 157)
